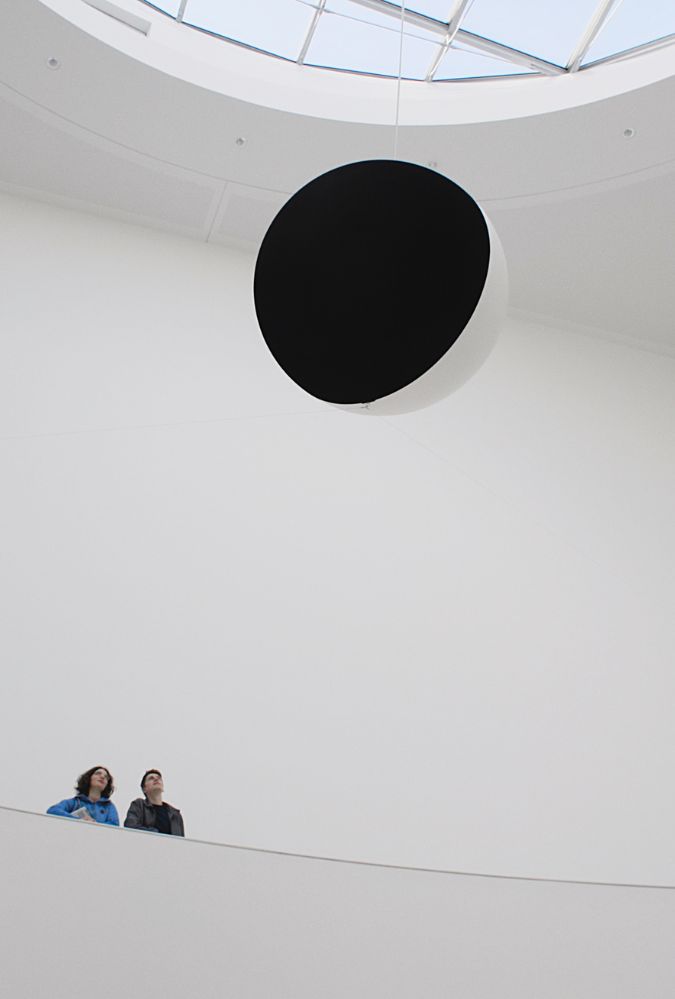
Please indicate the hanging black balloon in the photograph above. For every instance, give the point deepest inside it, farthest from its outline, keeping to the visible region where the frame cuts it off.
(369, 275)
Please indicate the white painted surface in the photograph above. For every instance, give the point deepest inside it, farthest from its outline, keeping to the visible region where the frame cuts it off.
(202, 61)
(124, 913)
(585, 215)
(442, 639)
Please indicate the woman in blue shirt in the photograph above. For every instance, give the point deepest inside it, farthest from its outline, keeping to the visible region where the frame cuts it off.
(92, 802)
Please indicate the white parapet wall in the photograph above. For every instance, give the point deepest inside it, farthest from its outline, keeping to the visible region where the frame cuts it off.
(442, 639)
(94, 910)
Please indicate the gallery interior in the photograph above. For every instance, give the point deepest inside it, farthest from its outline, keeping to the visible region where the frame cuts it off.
(407, 675)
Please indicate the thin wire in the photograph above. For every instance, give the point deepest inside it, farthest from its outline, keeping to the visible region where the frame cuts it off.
(398, 82)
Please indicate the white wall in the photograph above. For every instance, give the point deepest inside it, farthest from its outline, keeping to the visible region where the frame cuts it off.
(130, 913)
(443, 639)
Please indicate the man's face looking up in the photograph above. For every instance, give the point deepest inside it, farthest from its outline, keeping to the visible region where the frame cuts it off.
(153, 782)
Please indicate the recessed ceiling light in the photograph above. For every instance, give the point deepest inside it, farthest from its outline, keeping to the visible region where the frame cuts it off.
(53, 62)
(628, 133)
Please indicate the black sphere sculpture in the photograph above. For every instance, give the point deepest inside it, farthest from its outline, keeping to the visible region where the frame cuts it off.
(380, 283)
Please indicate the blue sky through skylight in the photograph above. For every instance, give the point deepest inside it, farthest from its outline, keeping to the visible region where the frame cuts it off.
(539, 27)
(277, 26)
(632, 23)
(440, 9)
(359, 38)
(460, 63)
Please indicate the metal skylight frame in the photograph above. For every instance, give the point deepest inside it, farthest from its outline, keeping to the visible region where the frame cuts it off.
(602, 12)
(454, 21)
(321, 6)
(658, 43)
(477, 42)
(450, 31)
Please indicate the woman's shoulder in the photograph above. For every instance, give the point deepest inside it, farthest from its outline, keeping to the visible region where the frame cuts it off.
(65, 805)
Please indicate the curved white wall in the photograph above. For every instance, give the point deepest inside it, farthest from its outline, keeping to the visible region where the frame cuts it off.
(443, 639)
(126, 913)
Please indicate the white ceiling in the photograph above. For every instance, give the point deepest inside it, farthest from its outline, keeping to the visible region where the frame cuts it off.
(586, 215)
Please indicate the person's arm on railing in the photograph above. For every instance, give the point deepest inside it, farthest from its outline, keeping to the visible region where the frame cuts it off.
(134, 819)
(65, 808)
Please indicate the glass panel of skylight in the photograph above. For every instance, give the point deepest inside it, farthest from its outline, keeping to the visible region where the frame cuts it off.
(632, 23)
(277, 26)
(166, 6)
(462, 63)
(544, 28)
(390, 21)
(438, 9)
(361, 40)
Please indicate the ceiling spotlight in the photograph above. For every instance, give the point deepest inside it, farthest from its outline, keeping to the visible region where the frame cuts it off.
(240, 141)
(628, 133)
(53, 62)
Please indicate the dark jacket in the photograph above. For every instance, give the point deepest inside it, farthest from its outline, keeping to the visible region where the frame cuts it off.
(141, 815)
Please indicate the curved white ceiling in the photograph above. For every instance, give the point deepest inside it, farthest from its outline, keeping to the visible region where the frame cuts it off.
(234, 70)
(105, 86)
(573, 192)
(433, 40)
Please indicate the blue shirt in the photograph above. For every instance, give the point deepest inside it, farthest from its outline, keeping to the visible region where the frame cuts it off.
(102, 810)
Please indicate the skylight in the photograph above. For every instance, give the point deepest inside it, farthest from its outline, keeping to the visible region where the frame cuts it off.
(442, 39)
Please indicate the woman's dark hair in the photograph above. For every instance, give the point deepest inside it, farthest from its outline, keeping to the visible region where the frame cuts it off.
(84, 780)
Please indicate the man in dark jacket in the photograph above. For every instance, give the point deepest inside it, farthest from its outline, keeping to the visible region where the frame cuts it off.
(152, 813)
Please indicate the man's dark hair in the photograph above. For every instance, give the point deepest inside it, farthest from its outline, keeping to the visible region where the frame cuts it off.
(84, 780)
(147, 774)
